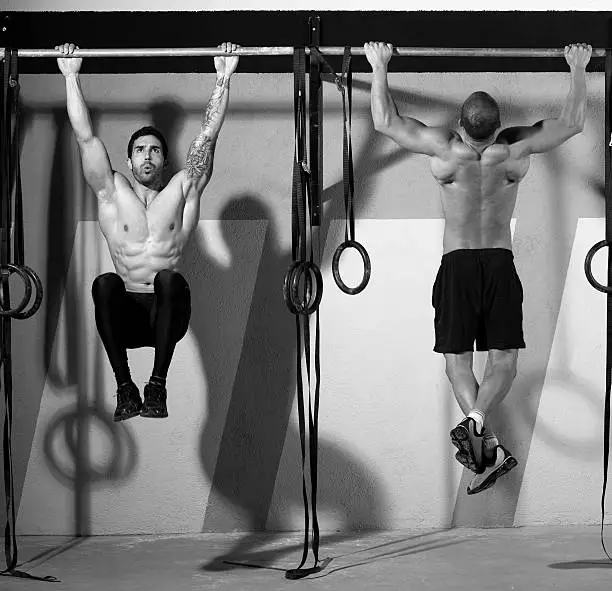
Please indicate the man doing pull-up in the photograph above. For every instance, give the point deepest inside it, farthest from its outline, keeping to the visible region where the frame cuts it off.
(477, 294)
(146, 224)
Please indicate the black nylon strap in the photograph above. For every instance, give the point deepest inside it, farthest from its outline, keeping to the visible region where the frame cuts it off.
(344, 84)
(304, 257)
(608, 197)
(11, 179)
(10, 545)
(299, 253)
(347, 144)
(15, 168)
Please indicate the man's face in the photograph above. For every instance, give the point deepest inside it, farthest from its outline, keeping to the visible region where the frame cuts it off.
(147, 160)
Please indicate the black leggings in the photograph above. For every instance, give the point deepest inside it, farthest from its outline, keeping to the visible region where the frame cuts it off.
(129, 320)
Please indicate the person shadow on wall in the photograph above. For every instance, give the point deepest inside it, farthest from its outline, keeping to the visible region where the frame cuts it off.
(253, 430)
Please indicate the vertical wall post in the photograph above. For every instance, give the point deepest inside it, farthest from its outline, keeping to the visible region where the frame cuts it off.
(315, 122)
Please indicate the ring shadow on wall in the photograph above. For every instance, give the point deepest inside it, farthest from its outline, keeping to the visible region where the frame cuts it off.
(67, 436)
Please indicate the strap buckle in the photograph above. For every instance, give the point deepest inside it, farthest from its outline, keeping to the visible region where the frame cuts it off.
(339, 80)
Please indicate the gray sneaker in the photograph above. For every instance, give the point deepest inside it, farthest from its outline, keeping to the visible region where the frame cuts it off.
(469, 443)
(498, 465)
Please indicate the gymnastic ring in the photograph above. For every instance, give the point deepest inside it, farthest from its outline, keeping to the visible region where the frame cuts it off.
(291, 286)
(588, 261)
(286, 291)
(301, 305)
(311, 303)
(39, 292)
(367, 267)
(27, 285)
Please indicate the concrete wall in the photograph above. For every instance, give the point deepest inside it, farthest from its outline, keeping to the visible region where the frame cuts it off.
(227, 458)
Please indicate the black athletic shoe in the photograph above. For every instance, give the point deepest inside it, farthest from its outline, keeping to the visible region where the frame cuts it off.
(154, 402)
(128, 402)
(469, 443)
(497, 465)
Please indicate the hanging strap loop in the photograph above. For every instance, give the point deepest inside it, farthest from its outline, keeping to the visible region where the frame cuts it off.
(11, 222)
(348, 182)
(302, 290)
(607, 289)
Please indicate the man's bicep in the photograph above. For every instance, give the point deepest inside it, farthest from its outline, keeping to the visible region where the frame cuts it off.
(540, 137)
(96, 166)
(192, 186)
(193, 190)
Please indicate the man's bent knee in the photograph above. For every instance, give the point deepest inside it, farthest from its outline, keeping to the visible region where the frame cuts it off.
(106, 285)
(167, 280)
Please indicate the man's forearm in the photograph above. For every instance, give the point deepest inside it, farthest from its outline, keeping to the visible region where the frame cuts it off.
(574, 110)
(200, 155)
(77, 109)
(382, 104)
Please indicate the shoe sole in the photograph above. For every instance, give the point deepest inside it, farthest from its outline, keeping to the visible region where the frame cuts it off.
(505, 467)
(153, 416)
(461, 440)
(126, 417)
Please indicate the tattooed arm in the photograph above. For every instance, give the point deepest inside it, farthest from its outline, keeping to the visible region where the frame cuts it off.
(199, 161)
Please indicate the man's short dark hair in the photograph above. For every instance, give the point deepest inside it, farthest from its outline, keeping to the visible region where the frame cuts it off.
(148, 130)
(480, 115)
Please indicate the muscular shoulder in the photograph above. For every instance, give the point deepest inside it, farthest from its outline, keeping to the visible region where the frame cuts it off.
(109, 192)
(120, 180)
(496, 153)
(513, 140)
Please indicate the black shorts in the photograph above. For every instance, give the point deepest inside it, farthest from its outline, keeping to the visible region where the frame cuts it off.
(478, 296)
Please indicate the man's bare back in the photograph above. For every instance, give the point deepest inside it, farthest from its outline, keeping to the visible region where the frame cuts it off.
(478, 193)
(478, 175)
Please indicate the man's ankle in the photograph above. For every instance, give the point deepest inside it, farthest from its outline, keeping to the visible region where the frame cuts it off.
(158, 381)
(478, 417)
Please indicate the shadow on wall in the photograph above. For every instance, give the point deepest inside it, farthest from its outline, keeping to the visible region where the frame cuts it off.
(68, 374)
(255, 427)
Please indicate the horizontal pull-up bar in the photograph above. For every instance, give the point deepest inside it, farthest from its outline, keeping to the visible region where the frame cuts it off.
(214, 51)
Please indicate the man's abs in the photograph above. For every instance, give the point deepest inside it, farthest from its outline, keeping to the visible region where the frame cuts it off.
(138, 263)
(144, 240)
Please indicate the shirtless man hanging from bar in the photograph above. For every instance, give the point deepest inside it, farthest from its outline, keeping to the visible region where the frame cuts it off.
(146, 223)
(477, 295)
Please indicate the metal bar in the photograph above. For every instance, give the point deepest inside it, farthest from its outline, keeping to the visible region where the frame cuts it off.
(502, 52)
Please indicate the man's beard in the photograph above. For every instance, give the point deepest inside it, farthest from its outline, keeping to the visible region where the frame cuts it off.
(148, 179)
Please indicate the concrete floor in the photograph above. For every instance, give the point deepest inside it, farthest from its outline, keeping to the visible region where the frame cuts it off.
(530, 558)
